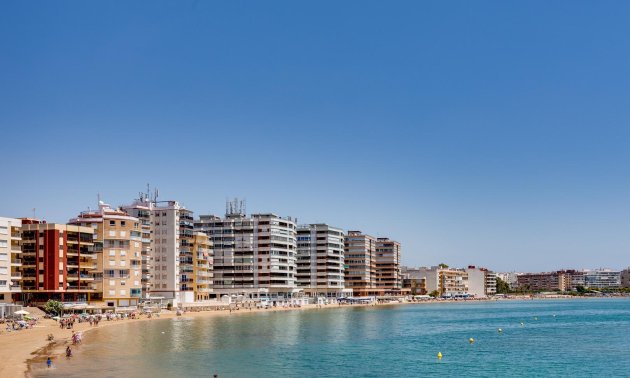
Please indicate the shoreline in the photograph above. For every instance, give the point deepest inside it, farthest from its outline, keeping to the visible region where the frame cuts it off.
(22, 350)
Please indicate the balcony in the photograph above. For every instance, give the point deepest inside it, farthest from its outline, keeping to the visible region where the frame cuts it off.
(15, 288)
(16, 262)
(16, 236)
(16, 275)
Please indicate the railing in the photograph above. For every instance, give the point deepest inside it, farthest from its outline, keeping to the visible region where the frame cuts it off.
(16, 261)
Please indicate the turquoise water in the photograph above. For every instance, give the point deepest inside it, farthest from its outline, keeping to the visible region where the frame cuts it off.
(587, 337)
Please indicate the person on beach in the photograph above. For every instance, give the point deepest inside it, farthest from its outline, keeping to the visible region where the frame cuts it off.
(68, 352)
(49, 362)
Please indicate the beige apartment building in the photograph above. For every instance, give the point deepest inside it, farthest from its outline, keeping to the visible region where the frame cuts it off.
(360, 263)
(118, 244)
(202, 267)
(58, 262)
(447, 282)
(320, 261)
(10, 258)
(388, 275)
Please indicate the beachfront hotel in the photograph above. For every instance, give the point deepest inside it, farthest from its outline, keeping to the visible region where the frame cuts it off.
(360, 258)
(320, 261)
(10, 258)
(58, 262)
(388, 275)
(254, 256)
(118, 245)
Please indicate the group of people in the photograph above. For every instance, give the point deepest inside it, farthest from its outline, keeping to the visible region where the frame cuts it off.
(18, 325)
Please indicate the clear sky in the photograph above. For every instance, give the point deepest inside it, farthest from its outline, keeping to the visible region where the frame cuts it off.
(490, 133)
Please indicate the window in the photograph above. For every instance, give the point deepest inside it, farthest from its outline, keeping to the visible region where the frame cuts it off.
(123, 223)
(3, 270)
(4, 257)
(3, 243)
(112, 223)
(4, 230)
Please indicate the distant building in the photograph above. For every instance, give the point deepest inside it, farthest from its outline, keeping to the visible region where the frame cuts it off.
(602, 279)
(447, 282)
(320, 261)
(360, 258)
(625, 278)
(551, 281)
(481, 282)
(388, 274)
(10, 258)
(510, 278)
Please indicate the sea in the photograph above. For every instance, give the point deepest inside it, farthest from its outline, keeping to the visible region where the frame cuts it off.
(511, 338)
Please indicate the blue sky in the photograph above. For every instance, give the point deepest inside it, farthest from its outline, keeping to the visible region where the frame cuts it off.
(485, 133)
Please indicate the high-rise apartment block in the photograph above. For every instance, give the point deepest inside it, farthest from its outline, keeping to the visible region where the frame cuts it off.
(320, 260)
(59, 262)
(360, 259)
(10, 258)
(118, 244)
(254, 256)
(388, 276)
(142, 209)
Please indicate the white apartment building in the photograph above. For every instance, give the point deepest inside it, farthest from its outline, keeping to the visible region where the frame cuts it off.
(481, 282)
(172, 246)
(602, 279)
(320, 261)
(254, 256)
(10, 262)
(142, 209)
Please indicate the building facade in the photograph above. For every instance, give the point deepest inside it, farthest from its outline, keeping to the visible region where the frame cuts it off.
(388, 275)
(10, 258)
(320, 261)
(118, 245)
(254, 256)
(481, 282)
(202, 267)
(59, 262)
(625, 278)
(446, 282)
(142, 209)
(360, 263)
(551, 281)
(602, 279)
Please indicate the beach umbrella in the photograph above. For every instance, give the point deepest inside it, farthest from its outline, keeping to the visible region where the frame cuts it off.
(22, 312)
